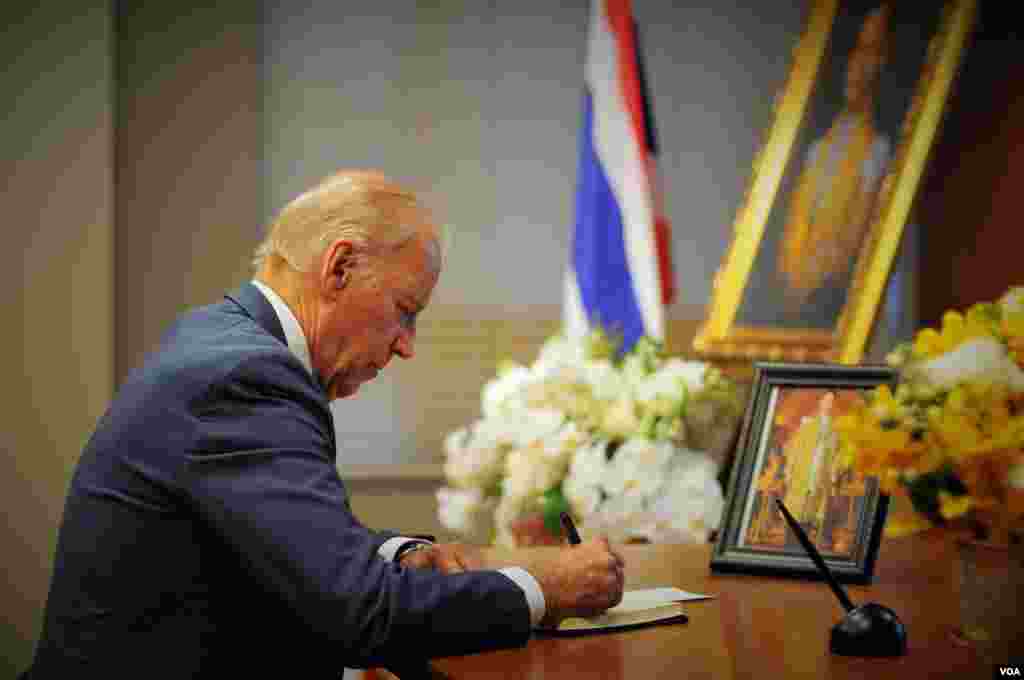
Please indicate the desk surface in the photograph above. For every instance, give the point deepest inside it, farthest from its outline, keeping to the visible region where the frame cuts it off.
(756, 627)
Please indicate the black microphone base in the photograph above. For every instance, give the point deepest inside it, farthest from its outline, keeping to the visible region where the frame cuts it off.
(869, 630)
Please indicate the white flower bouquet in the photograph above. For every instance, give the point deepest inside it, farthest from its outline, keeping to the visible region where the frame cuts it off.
(630, 444)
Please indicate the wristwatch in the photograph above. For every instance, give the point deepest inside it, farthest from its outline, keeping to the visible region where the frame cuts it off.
(408, 547)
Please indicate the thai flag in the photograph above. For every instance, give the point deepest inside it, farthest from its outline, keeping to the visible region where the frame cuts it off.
(620, 275)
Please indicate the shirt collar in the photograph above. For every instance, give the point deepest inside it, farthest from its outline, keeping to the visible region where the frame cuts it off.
(292, 330)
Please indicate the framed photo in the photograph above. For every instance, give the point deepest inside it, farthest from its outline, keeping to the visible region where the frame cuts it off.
(833, 184)
(788, 451)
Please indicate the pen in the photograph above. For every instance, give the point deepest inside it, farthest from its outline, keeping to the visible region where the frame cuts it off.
(570, 529)
(815, 556)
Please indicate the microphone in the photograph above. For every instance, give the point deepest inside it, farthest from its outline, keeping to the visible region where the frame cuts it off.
(816, 557)
(868, 630)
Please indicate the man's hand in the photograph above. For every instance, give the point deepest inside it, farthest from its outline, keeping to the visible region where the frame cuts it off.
(580, 580)
(447, 558)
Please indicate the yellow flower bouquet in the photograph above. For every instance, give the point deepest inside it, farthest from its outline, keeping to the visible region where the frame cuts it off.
(951, 435)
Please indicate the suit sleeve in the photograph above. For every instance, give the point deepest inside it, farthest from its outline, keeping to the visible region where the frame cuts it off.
(260, 472)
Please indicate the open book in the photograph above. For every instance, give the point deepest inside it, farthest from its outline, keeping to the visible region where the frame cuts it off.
(638, 608)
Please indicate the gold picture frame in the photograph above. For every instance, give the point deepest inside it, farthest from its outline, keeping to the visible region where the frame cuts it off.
(870, 156)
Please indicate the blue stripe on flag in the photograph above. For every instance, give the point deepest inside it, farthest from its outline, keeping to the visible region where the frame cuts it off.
(599, 249)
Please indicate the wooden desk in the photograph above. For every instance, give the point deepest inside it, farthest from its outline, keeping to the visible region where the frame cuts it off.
(756, 627)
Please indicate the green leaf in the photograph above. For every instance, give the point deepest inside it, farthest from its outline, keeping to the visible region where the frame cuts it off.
(601, 344)
(505, 366)
(553, 503)
(495, 490)
(647, 426)
(924, 491)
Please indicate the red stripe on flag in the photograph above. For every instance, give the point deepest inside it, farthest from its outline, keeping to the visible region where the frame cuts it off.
(620, 21)
(662, 242)
(662, 237)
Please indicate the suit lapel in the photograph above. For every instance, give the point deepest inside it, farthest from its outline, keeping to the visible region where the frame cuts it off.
(256, 305)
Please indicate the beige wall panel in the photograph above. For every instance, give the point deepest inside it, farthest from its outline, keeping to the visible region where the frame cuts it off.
(56, 288)
(188, 173)
(398, 497)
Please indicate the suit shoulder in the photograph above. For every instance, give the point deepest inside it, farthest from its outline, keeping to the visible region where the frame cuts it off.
(214, 345)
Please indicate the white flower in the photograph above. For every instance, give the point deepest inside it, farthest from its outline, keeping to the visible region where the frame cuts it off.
(476, 457)
(506, 391)
(538, 424)
(605, 381)
(556, 353)
(1012, 300)
(517, 428)
(694, 484)
(636, 369)
(469, 465)
(529, 473)
(978, 359)
(638, 467)
(691, 503)
(582, 486)
(670, 375)
(560, 445)
(621, 418)
(535, 435)
(619, 518)
(466, 512)
(496, 432)
(455, 441)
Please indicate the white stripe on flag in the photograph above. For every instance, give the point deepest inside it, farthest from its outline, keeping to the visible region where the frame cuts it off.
(624, 160)
(574, 318)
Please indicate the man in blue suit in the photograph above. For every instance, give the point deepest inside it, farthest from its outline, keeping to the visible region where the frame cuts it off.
(206, 531)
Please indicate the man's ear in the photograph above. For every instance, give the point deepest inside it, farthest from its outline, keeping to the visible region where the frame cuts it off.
(336, 267)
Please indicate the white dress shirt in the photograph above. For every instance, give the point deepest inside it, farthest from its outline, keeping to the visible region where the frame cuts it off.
(297, 343)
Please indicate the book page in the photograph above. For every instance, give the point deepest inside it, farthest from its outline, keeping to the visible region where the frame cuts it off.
(638, 607)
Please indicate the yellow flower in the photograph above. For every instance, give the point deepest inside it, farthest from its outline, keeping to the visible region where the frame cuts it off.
(952, 325)
(970, 424)
(928, 343)
(956, 329)
(1013, 325)
(951, 507)
(897, 527)
(885, 406)
(1013, 329)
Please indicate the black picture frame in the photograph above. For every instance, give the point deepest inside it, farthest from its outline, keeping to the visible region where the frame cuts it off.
(785, 445)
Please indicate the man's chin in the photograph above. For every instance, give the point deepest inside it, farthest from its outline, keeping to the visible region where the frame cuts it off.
(341, 390)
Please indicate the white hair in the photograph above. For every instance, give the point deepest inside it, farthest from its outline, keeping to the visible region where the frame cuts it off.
(364, 208)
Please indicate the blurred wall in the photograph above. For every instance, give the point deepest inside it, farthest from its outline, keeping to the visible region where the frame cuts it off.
(477, 104)
(221, 114)
(188, 150)
(184, 161)
(56, 286)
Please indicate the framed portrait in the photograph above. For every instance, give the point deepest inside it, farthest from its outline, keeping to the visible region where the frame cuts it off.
(832, 187)
(788, 450)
